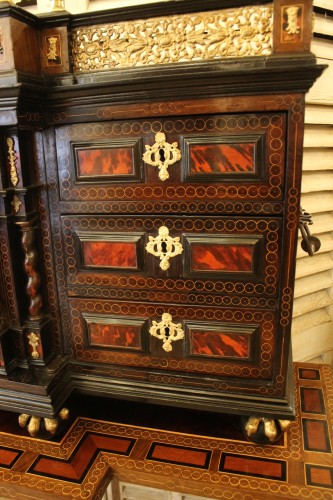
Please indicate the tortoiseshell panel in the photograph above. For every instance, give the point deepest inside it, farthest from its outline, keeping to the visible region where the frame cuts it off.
(109, 254)
(114, 335)
(114, 332)
(224, 157)
(221, 158)
(107, 161)
(220, 344)
(230, 258)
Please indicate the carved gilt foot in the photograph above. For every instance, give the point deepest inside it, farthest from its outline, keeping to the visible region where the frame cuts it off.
(264, 430)
(43, 428)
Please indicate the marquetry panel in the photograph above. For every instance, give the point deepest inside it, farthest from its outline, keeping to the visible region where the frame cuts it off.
(230, 255)
(208, 456)
(246, 339)
(244, 157)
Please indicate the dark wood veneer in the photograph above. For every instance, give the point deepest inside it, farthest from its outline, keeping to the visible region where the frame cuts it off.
(52, 208)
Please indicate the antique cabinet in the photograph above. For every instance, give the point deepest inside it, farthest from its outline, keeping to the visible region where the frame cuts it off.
(150, 189)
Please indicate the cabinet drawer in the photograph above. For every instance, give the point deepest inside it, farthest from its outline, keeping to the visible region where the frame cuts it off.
(205, 158)
(215, 341)
(173, 254)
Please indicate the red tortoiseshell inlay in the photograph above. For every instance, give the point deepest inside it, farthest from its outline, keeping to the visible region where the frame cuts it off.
(105, 161)
(220, 344)
(253, 466)
(113, 335)
(8, 457)
(222, 158)
(230, 258)
(319, 475)
(312, 400)
(109, 254)
(308, 374)
(316, 436)
(192, 457)
(78, 467)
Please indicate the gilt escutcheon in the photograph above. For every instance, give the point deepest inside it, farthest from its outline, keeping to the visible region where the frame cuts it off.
(162, 155)
(164, 246)
(167, 331)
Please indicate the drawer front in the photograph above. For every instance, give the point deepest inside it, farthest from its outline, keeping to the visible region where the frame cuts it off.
(213, 157)
(217, 341)
(212, 255)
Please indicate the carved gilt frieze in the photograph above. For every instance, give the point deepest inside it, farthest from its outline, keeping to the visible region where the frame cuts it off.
(184, 38)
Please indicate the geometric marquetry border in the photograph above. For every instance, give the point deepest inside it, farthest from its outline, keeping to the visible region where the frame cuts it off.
(81, 464)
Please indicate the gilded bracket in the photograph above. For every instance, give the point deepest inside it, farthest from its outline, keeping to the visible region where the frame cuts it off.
(12, 161)
(167, 331)
(164, 246)
(162, 155)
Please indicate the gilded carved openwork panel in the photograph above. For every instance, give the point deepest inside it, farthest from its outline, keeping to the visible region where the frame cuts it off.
(183, 38)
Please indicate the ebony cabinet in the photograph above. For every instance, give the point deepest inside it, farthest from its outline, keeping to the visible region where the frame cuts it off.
(150, 205)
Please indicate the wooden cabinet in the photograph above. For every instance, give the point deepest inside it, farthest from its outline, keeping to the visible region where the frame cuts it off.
(150, 206)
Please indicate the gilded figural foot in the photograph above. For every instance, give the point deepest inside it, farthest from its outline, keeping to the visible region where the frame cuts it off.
(264, 430)
(43, 427)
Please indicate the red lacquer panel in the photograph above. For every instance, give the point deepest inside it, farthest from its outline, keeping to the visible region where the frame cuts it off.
(105, 161)
(220, 344)
(115, 335)
(109, 254)
(222, 158)
(230, 258)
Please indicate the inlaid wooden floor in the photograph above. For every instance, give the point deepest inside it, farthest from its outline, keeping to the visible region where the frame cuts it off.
(193, 453)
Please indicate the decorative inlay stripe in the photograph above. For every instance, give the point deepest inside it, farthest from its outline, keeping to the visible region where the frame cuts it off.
(253, 466)
(193, 457)
(172, 39)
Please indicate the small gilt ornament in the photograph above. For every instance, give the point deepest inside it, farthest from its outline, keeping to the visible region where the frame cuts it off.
(16, 203)
(292, 26)
(34, 342)
(12, 162)
(52, 50)
(57, 5)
